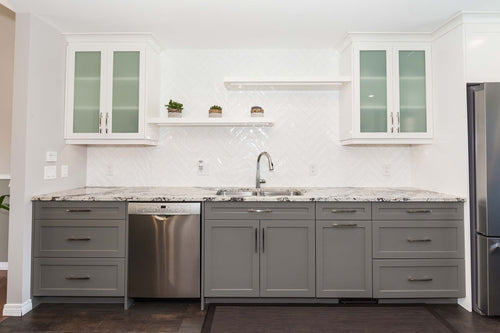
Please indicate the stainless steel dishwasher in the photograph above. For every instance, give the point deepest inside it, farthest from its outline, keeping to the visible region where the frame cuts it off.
(164, 250)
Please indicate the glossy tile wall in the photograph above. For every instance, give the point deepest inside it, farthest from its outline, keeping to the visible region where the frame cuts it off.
(305, 134)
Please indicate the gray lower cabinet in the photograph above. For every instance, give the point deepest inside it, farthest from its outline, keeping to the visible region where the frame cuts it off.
(343, 259)
(232, 258)
(287, 266)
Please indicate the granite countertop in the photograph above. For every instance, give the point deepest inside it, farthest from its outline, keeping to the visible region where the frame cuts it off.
(393, 194)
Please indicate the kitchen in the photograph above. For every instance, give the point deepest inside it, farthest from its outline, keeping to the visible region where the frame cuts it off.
(304, 80)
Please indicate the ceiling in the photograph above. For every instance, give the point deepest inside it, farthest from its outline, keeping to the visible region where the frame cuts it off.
(248, 23)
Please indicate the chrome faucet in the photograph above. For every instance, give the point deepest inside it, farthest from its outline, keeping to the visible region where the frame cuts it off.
(258, 180)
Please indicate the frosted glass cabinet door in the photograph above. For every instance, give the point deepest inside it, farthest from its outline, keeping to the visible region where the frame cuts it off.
(373, 91)
(125, 108)
(412, 92)
(87, 97)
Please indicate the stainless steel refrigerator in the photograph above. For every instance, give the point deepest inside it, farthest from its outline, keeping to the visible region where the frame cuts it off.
(484, 164)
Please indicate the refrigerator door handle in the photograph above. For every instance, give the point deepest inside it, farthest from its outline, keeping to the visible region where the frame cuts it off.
(494, 247)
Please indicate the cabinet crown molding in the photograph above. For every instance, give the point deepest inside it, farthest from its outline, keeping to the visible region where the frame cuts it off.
(125, 37)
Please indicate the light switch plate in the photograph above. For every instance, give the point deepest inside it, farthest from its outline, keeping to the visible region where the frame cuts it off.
(51, 156)
(64, 171)
(50, 172)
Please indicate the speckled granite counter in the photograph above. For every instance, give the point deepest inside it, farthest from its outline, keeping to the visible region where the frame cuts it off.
(209, 194)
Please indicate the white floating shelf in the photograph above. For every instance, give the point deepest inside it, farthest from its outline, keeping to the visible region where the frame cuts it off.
(208, 122)
(306, 83)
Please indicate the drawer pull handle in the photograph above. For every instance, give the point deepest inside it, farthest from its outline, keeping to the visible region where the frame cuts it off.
(344, 225)
(78, 210)
(341, 211)
(260, 210)
(78, 238)
(424, 279)
(419, 211)
(417, 240)
(71, 277)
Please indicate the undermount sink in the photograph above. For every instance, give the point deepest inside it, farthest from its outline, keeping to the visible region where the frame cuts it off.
(259, 192)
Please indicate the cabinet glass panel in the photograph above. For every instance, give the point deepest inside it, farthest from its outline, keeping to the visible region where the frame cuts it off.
(412, 98)
(87, 91)
(125, 110)
(373, 91)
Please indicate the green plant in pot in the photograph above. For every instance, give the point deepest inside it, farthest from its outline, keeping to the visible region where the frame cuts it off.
(174, 109)
(215, 111)
(3, 204)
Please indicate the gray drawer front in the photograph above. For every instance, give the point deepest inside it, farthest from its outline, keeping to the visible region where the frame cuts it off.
(415, 278)
(259, 210)
(78, 210)
(76, 238)
(343, 211)
(79, 277)
(418, 239)
(418, 211)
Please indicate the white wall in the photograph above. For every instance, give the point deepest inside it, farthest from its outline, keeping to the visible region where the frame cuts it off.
(37, 126)
(305, 131)
(443, 166)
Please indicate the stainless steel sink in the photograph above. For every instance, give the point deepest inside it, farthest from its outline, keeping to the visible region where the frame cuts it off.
(261, 192)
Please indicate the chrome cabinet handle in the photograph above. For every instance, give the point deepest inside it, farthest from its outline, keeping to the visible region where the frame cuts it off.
(416, 240)
(78, 238)
(78, 210)
(494, 247)
(256, 241)
(392, 122)
(419, 211)
(107, 118)
(424, 279)
(399, 122)
(100, 122)
(340, 211)
(260, 210)
(71, 277)
(344, 225)
(263, 240)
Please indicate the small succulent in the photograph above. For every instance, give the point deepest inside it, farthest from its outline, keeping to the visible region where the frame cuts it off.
(216, 107)
(3, 205)
(175, 105)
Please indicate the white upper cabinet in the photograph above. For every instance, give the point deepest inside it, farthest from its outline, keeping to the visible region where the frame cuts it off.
(112, 88)
(389, 100)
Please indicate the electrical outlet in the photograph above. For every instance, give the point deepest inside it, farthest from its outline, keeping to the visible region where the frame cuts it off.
(386, 170)
(50, 172)
(110, 171)
(203, 168)
(64, 171)
(313, 170)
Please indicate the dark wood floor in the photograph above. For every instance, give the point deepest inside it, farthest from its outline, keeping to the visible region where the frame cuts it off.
(186, 317)
(3, 292)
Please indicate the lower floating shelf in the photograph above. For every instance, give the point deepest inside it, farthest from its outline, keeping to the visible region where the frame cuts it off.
(211, 122)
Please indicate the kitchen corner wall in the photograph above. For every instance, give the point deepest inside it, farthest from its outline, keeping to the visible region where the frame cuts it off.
(305, 133)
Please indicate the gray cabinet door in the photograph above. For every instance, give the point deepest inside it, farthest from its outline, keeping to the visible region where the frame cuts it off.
(287, 258)
(259, 210)
(231, 258)
(343, 259)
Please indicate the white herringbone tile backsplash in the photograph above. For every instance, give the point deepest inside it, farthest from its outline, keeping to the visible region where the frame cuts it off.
(305, 131)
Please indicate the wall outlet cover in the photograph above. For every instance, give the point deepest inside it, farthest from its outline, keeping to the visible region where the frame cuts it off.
(64, 171)
(313, 170)
(50, 172)
(203, 168)
(51, 156)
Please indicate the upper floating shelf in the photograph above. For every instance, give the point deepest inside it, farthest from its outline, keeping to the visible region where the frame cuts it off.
(309, 83)
(209, 122)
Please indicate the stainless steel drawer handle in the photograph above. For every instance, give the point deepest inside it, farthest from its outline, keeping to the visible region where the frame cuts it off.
(344, 211)
(71, 277)
(417, 240)
(78, 210)
(256, 240)
(260, 210)
(424, 279)
(78, 238)
(419, 211)
(344, 225)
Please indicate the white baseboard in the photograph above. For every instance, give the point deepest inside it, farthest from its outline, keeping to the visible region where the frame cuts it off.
(17, 309)
(4, 266)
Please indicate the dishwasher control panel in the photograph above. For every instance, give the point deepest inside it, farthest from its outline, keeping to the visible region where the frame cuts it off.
(148, 208)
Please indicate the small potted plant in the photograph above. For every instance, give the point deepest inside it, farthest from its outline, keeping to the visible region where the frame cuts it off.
(174, 109)
(3, 205)
(215, 111)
